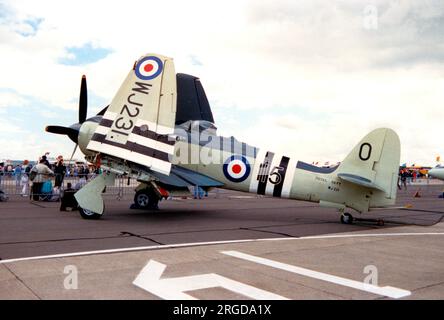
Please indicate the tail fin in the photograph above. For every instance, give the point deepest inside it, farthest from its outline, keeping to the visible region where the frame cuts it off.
(374, 163)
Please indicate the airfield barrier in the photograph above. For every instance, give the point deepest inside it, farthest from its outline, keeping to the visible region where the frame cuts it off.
(20, 185)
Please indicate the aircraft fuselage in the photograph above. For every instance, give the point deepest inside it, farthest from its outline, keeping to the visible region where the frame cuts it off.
(274, 174)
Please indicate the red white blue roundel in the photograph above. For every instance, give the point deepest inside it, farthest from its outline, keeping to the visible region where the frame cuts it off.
(149, 68)
(236, 168)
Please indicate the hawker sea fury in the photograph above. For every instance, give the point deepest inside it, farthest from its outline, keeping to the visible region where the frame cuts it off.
(159, 129)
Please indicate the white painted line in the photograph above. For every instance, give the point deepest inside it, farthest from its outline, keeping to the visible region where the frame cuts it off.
(192, 244)
(367, 235)
(174, 288)
(387, 291)
(106, 251)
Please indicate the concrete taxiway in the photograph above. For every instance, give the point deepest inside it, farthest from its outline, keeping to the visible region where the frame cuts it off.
(303, 251)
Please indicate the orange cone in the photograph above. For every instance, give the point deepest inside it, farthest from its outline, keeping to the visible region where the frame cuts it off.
(417, 194)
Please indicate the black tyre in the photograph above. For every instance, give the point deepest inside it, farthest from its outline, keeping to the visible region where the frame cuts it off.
(88, 214)
(146, 199)
(347, 218)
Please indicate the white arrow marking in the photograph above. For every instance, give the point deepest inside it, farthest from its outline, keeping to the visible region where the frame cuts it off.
(387, 291)
(174, 288)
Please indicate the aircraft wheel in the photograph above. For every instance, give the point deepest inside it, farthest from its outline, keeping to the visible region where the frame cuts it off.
(146, 199)
(88, 214)
(346, 218)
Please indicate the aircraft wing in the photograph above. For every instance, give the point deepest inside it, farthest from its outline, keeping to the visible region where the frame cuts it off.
(136, 125)
(180, 177)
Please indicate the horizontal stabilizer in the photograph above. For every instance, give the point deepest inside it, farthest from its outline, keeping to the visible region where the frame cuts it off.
(361, 181)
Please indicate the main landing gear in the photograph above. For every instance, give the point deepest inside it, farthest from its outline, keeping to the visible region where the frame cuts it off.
(146, 199)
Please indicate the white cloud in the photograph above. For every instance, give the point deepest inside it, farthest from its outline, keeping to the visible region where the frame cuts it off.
(254, 56)
(8, 128)
(11, 99)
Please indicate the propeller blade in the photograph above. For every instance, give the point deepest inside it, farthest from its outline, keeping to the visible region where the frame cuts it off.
(83, 100)
(73, 134)
(60, 130)
(72, 155)
(102, 112)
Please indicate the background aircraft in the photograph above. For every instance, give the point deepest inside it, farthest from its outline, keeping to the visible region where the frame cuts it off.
(159, 129)
(437, 172)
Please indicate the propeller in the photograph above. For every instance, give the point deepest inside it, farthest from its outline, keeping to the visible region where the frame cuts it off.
(73, 131)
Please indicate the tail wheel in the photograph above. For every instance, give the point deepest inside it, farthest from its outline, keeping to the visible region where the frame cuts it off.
(346, 218)
(146, 199)
(88, 214)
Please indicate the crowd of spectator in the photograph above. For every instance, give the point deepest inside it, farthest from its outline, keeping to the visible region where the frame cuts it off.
(43, 177)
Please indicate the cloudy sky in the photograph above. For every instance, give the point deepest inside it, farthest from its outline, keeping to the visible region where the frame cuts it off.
(310, 78)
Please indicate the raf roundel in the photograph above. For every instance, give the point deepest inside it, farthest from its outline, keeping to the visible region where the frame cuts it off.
(149, 68)
(236, 168)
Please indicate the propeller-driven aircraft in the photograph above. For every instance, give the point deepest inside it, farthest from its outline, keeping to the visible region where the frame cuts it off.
(159, 129)
(437, 172)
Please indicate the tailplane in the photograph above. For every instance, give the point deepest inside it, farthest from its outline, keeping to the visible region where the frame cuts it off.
(374, 164)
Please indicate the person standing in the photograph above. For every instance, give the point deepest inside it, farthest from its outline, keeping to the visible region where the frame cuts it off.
(404, 177)
(86, 172)
(45, 160)
(17, 176)
(60, 171)
(1, 172)
(81, 171)
(41, 172)
(25, 178)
